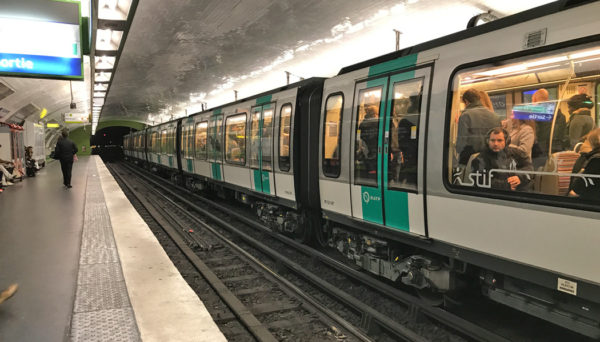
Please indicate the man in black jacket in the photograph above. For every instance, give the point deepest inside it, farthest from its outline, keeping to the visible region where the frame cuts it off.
(495, 166)
(65, 151)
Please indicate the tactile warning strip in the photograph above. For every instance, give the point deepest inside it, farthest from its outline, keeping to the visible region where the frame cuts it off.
(102, 309)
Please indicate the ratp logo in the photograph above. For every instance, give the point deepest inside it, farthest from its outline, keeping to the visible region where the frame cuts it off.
(366, 197)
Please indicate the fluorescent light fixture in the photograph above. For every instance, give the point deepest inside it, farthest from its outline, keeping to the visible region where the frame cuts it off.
(99, 94)
(108, 40)
(100, 87)
(505, 70)
(105, 62)
(52, 125)
(43, 113)
(98, 101)
(546, 61)
(113, 9)
(585, 54)
(102, 76)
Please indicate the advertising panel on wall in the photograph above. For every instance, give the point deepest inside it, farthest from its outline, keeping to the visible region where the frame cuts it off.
(41, 39)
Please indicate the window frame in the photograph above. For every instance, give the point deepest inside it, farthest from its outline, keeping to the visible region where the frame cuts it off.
(340, 129)
(518, 197)
(289, 144)
(197, 156)
(225, 138)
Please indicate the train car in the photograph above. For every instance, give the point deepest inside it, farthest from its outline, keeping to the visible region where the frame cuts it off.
(404, 199)
(162, 148)
(34, 136)
(254, 149)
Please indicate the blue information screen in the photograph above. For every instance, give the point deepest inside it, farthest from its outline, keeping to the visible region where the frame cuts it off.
(47, 49)
(542, 111)
(42, 65)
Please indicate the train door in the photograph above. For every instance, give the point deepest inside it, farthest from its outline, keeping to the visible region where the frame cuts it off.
(403, 184)
(366, 188)
(387, 185)
(215, 139)
(261, 148)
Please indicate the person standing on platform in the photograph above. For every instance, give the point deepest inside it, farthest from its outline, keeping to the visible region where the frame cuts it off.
(65, 152)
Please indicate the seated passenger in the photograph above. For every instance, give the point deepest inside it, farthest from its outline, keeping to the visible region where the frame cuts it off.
(494, 167)
(580, 122)
(587, 164)
(473, 124)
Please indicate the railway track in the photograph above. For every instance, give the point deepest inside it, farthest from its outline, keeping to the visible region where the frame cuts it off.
(381, 311)
(266, 306)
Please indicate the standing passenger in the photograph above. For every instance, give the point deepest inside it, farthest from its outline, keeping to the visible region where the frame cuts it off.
(560, 140)
(473, 124)
(65, 151)
(580, 122)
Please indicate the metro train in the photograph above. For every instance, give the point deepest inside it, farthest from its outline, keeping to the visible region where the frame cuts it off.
(367, 163)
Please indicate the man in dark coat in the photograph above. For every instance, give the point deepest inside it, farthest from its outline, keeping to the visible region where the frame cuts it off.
(474, 122)
(65, 151)
(588, 163)
(498, 155)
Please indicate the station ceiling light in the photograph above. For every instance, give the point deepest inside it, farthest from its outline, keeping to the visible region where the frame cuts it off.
(113, 9)
(111, 22)
(104, 62)
(102, 76)
(100, 87)
(108, 40)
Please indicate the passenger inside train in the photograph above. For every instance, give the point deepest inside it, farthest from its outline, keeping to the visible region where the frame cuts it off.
(548, 104)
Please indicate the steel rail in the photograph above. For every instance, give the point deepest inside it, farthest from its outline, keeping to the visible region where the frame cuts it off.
(444, 317)
(250, 322)
(368, 313)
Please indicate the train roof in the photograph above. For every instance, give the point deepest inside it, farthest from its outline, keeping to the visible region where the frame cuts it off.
(501, 23)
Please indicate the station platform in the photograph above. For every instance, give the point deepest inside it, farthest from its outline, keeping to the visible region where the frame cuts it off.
(88, 266)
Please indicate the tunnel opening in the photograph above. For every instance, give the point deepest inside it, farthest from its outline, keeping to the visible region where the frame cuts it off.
(108, 142)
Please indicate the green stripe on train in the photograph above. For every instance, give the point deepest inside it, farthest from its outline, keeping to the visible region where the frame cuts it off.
(398, 63)
(266, 186)
(257, 182)
(263, 100)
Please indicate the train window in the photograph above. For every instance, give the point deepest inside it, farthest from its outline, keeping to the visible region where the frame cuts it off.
(215, 138)
(285, 125)
(163, 141)
(235, 139)
(190, 141)
(201, 135)
(254, 137)
(183, 142)
(266, 139)
(154, 142)
(367, 137)
(404, 135)
(547, 145)
(332, 133)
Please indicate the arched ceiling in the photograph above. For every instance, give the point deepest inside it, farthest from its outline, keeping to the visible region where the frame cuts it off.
(180, 53)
